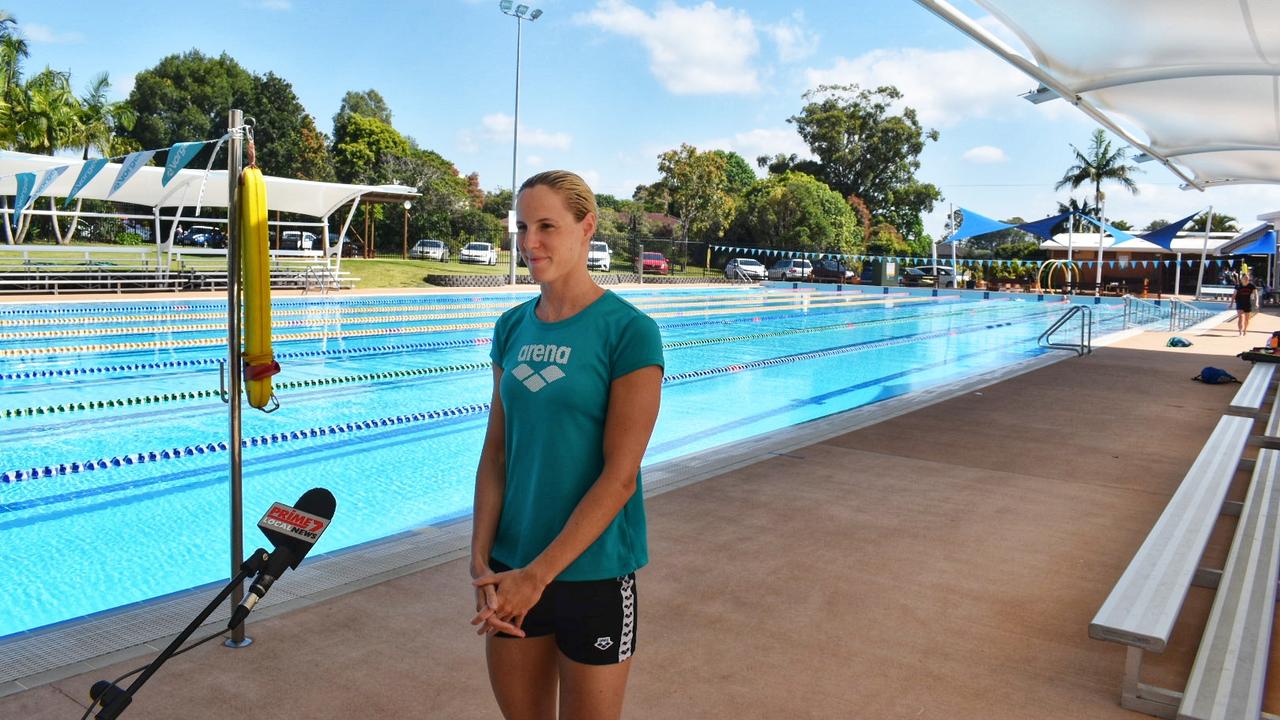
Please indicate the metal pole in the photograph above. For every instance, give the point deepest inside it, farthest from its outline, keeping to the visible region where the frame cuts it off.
(235, 121)
(1204, 251)
(515, 138)
(404, 245)
(1177, 276)
(1102, 234)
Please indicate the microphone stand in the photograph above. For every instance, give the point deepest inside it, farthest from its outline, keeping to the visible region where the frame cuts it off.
(116, 699)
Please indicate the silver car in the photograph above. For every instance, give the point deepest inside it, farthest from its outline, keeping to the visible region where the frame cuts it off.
(430, 250)
(791, 269)
(748, 268)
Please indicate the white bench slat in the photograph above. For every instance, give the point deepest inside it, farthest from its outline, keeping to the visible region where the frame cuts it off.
(1227, 679)
(1144, 604)
(1248, 399)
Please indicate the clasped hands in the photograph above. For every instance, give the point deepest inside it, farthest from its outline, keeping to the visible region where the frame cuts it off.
(503, 599)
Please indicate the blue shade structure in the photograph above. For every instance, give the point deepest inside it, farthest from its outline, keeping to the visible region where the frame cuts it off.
(972, 225)
(1164, 236)
(1119, 235)
(1265, 245)
(1043, 228)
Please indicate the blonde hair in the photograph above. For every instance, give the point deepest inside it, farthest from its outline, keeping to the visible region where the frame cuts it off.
(575, 192)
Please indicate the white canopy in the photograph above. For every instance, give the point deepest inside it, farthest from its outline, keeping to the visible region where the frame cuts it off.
(305, 197)
(1194, 84)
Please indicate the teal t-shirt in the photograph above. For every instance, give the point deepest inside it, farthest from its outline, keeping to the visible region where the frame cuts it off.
(555, 394)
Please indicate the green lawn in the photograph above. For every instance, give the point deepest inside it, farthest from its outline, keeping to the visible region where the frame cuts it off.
(383, 272)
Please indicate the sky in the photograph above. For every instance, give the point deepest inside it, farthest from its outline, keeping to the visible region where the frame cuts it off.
(608, 85)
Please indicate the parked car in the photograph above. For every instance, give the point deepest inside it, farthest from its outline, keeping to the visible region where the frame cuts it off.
(199, 236)
(791, 269)
(654, 263)
(833, 271)
(599, 256)
(748, 268)
(430, 250)
(479, 252)
(351, 247)
(297, 240)
(946, 275)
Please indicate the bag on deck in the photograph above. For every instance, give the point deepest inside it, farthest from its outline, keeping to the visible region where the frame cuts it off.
(1215, 376)
(1176, 341)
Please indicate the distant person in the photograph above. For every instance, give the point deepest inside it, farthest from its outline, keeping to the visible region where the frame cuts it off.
(1246, 302)
(559, 527)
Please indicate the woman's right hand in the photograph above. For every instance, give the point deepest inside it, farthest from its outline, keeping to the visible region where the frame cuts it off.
(486, 602)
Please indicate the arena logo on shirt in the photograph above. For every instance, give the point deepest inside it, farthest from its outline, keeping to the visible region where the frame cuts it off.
(558, 354)
(534, 380)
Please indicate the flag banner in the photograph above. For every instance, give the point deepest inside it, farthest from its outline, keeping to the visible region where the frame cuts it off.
(49, 176)
(26, 182)
(88, 171)
(131, 165)
(179, 155)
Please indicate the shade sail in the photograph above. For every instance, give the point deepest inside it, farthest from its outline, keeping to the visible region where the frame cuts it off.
(1164, 236)
(1043, 228)
(1119, 235)
(1265, 245)
(1193, 83)
(972, 225)
(305, 197)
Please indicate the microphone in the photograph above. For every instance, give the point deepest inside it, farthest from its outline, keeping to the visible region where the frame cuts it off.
(292, 532)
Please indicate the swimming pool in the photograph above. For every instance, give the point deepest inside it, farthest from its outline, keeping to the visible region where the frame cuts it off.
(114, 437)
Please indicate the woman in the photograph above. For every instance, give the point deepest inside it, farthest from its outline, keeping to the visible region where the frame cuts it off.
(559, 525)
(1245, 302)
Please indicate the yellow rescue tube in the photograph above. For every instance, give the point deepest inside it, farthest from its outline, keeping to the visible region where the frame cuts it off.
(259, 361)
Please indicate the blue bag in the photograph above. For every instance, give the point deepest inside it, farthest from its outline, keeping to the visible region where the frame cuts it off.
(1176, 341)
(1215, 376)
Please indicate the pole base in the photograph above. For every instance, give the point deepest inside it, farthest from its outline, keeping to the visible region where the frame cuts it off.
(237, 645)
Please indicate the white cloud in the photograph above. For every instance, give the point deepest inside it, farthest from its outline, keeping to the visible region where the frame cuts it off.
(497, 128)
(535, 160)
(702, 49)
(975, 83)
(37, 33)
(985, 155)
(591, 176)
(760, 141)
(794, 40)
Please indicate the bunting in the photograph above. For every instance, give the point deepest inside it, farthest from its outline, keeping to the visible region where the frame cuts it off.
(26, 183)
(129, 168)
(87, 172)
(179, 156)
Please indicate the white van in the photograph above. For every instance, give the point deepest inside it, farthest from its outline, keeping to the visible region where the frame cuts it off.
(599, 256)
(297, 240)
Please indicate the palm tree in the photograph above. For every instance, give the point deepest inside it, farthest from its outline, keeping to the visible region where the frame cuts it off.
(99, 119)
(48, 116)
(1102, 163)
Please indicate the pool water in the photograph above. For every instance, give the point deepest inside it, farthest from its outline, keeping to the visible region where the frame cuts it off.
(113, 450)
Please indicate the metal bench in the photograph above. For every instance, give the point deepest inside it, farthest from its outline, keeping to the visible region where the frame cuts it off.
(1144, 604)
(1253, 391)
(1229, 674)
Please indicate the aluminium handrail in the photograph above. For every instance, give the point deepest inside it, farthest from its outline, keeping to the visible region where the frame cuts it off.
(1141, 312)
(1183, 314)
(1085, 346)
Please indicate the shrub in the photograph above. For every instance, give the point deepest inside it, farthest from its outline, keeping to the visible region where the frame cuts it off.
(129, 238)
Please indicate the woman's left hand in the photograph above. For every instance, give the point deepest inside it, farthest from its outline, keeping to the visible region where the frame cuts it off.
(515, 592)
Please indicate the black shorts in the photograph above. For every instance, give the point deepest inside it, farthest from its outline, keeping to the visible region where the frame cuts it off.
(594, 621)
(1244, 305)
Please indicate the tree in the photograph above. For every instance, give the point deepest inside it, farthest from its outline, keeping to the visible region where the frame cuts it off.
(886, 240)
(48, 113)
(186, 97)
(738, 173)
(604, 200)
(863, 150)
(368, 103)
(360, 150)
(100, 119)
(795, 211)
(285, 136)
(1155, 225)
(1102, 163)
(1120, 224)
(1221, 223)
(696, 183)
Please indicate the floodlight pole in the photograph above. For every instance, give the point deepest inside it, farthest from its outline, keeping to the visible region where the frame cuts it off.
(521, 13)
(1102, 233)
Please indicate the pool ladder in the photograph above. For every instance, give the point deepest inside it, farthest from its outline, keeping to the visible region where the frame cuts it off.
(1085, 346)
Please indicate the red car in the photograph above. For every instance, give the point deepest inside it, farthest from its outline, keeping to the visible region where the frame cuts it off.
(655, 264)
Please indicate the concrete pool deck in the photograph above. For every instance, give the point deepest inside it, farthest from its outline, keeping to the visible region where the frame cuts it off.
(941, 563)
